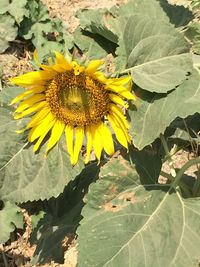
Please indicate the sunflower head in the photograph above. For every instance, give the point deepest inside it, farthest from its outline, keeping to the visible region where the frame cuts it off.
(65, 97)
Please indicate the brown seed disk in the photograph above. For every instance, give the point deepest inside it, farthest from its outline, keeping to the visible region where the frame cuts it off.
(77, 100)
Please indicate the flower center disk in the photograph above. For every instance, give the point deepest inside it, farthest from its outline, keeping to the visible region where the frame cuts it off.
(77, 100)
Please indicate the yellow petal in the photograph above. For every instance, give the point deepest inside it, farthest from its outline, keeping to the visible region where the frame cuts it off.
(77, 68)
(78, 143)
(41, 138)
(21, 130)
(20, 97)
(38, 117)
(100, 76)
(89, 144)
(40, 128)
(121, 137)
(107, 139)
(93, 66)
(37, 88)
(56, 133)
(69, 134)
(27, 103)
(54, 67)
(116, 110)
(61, 60)
(30, 110)
(33, 77)
(119, 81)
(118, 100)
(97, 140)
(39, 141)
(121, 91)
(35, 57)
(121, 124)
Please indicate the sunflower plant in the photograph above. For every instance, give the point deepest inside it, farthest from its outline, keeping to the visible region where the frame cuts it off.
(87, 135)
(67, 97)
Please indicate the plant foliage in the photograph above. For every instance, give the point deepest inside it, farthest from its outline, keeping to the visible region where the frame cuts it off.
(118, 212)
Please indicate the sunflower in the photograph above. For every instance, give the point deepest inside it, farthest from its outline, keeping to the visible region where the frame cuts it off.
(65, 97)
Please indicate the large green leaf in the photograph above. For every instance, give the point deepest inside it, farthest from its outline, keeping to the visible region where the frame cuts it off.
(8, 31)
(8, 94)
(146, 8)
(10, 217)
(157, 9)
(127, 224)
(155, 112)
(157, 55)
(25, 175)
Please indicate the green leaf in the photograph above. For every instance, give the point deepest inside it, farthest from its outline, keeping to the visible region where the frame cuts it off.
(3, 6)
(25, 175)
(8, 31)
(180, 16)
(186, 130)
(62, 218)
(38, 11)
(193, 34)
(148, 164)
(95, 22)
(10, 217)
(93, 45)
(146, 8)
(37, 32)
(157, 9)
(157, 55)
(15, 8)
(137, 225)
(8, 94)
(115, 176)
(46, 34)
(29, 176)
(156, 111)
(35, 218)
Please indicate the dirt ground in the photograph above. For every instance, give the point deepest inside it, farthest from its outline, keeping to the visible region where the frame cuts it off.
(15, 61)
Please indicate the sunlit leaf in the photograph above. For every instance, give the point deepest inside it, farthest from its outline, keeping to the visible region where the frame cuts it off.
(93, 45)
(157, 55)
(15, 8)
(8, 31)
(155, 112)
(95, 22)
(137, 225)
(10, 218)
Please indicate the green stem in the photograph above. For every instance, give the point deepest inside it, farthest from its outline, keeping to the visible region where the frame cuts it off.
(168, 155)
(126, 70)
(167, 175)
(183, 186)
(196, 187)
(183, 169)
